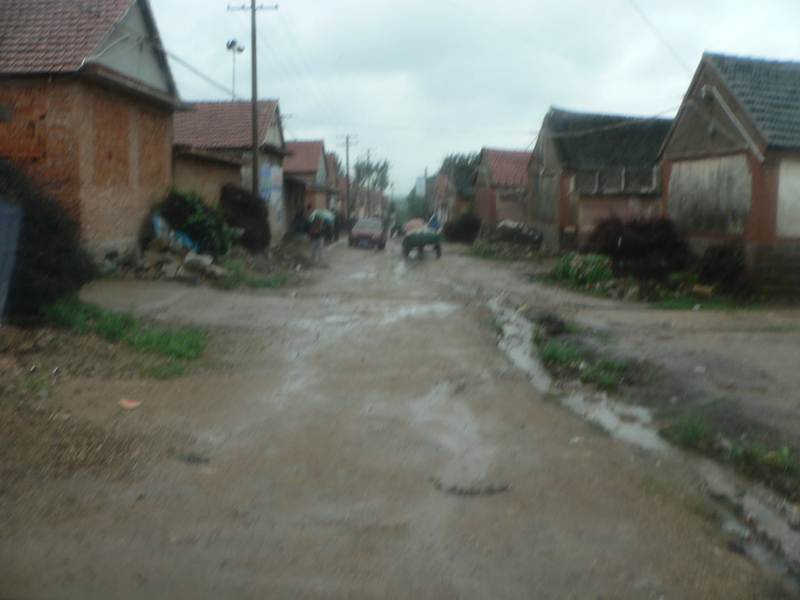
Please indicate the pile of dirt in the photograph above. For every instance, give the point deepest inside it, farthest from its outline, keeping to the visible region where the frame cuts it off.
(51, 261)
(643, 248)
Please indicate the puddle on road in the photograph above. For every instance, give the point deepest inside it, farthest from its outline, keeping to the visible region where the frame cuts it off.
(364, 275)
(451, 424)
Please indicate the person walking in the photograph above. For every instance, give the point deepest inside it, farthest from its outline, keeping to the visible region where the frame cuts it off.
(316, 233)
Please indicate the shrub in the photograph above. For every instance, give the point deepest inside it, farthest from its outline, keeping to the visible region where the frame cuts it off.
(582, 269)
(204, 224)
(244, 210)
(51, 262)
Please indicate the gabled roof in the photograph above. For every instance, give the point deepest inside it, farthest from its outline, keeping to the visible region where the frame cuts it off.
(769, 93)
(508, 168)
(591, 141)
(304, 158)
(222, 124)
(54, 36)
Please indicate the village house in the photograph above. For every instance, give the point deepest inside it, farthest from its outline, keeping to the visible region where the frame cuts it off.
(587, 167)
(213, 146)
(501, 186)
(731, 162)
(306, 176)
(86, 105)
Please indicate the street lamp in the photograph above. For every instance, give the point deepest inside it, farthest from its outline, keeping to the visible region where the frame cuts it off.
(235, 49)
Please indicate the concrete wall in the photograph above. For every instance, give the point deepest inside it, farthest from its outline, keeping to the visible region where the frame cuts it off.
(203, 176)
(105, 155)
(710, 195)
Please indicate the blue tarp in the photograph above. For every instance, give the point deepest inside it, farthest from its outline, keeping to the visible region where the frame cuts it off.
(10, 220)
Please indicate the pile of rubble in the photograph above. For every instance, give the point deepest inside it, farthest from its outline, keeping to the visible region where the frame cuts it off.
(162, 260)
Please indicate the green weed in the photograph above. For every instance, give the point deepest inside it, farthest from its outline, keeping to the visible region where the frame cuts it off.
(690, 430)
(80, 317)
(561, 353)
(237, 273)
(186, 342)
(581, 269)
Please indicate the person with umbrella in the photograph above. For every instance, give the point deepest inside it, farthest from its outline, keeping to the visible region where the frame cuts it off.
(316, 231)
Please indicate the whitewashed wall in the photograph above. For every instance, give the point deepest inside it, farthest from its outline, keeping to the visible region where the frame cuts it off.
(789, 198)
(711, 194)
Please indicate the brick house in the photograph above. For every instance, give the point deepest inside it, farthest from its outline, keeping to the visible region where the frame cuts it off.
(501, 186)
(86, 105)
(213, 146)
(589, 166)
(306, 175)
(731, 162)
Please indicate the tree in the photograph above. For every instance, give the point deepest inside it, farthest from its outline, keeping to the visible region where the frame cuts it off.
(462, 170)
(374, 175)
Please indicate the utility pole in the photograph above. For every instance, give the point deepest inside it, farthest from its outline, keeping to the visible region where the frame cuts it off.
(254, 75)
(347, 143)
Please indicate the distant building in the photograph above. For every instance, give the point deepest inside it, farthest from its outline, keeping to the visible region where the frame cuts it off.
(501, 186)
(213, 146)
(586, 167)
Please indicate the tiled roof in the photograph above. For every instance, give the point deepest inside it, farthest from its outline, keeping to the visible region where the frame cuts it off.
(305, 156)
(589, 141)
(54, 36)
(222, 124)
(508, 168)
(769, 92)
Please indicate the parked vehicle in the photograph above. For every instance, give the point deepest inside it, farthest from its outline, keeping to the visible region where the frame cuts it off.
(368, 233)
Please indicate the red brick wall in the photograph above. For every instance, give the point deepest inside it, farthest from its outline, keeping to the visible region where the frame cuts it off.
(39, 135)
(104, 154)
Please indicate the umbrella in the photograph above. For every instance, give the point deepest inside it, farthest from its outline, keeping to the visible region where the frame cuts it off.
(323, 214)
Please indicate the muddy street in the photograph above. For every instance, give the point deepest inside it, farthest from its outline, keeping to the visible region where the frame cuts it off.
(367, 439)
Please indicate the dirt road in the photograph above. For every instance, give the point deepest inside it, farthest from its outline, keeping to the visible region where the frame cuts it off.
(366, 440)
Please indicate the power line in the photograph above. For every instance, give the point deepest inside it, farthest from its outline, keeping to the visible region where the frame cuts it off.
(660, 36)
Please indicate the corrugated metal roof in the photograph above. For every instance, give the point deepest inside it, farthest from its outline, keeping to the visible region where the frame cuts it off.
(769, 91)
(222, 124)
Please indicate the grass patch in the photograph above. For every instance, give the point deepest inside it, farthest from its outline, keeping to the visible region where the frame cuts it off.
(185, 342)
(571, 359)
(238, 274)
(81, 317)
(561, 354)
(690, 431)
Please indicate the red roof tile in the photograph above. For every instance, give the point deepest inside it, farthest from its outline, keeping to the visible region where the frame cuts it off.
(305, 157)
(54, 36)
(222, 124)
(508, 168)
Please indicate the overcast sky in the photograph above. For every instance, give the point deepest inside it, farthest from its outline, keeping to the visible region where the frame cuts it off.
(415, 80)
